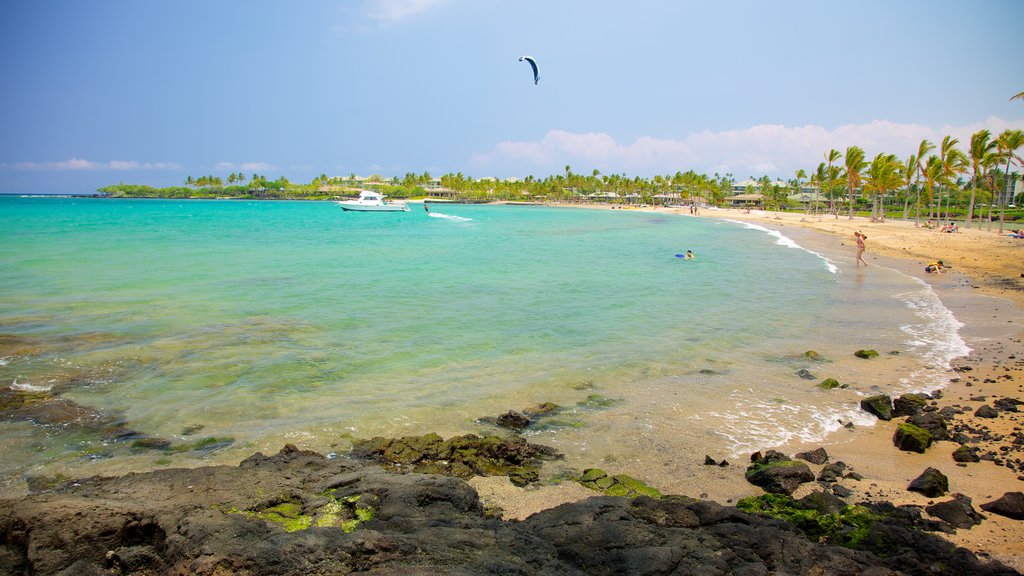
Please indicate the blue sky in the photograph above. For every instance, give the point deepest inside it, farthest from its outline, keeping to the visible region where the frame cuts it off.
(151, 92)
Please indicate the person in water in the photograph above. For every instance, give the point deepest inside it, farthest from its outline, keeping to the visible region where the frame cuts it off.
(689, 255)
(936, 267)
(860, 247)
(427, 210)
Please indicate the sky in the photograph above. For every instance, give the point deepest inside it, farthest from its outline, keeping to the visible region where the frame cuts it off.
(151, 92)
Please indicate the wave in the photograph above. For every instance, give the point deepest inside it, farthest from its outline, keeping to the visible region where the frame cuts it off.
(937, 339)
(783, 240)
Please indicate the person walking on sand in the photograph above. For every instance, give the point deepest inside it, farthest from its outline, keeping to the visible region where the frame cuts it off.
(860, 247)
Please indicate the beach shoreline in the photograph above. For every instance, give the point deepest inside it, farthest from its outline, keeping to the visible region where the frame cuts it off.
(984, 291)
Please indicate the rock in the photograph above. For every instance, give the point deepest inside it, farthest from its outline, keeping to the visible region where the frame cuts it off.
(817, 456)
(513, 420)
(842, 491)
(619, 485)
(778, 476)
(542, 409)
(958, 512)
(832, 472)
(880, 405)
(1007, 404)
(823, 502)
(910, 438)
(986, 411)
(933, 422)
(805, 374)
(931, 483)
(966, 454)
(1010, 505)
(709, 461)
(828, 384)
(298, 513)
(461, 456)
(908, 405)
(813, 355)
(865, 354)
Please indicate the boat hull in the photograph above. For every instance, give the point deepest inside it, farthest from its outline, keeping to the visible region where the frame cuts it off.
(365, 208)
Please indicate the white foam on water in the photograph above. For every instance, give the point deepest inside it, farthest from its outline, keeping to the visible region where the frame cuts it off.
(783, 240)
(936, 339)
(451, 217)
(26, 387)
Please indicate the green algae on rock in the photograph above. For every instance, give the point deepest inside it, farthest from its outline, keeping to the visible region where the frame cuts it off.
(618, 485)
(345, 513)
(461, 456)
(848, 527)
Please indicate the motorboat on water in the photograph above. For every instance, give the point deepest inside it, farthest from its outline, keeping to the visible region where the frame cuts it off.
(370, 201)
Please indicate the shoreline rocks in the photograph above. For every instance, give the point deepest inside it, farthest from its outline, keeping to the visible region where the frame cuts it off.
(298, 512)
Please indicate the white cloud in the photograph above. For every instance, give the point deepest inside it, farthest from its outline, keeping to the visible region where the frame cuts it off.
(247, 166)
(82, 164)
(395, 10)
(770, 149)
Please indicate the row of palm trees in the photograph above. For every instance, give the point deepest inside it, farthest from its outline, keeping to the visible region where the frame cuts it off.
(932, 174)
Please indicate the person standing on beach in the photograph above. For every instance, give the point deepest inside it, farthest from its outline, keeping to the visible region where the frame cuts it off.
(860, 247)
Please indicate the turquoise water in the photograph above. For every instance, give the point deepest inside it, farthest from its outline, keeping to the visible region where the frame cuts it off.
(275, 322)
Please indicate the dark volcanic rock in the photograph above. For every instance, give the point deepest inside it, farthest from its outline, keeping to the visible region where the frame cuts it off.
(513, 420)
(986, 411)
(911, 438)
(931, 483)
(298, 513)
(805, 374)
(908, 405)
(832, 472)
(933, 422)
(1007, 404)
(778, 475)
(966, 454)
(817, 456)
(1010, 505)
(880, 405)
(958, 512)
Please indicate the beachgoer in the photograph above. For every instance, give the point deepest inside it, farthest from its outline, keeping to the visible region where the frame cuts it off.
(425, 208)
(860, 247)
(936, 267)
(689, 255)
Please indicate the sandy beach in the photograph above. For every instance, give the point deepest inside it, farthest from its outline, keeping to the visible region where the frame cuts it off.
(984, 288)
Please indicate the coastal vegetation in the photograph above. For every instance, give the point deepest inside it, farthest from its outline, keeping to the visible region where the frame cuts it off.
(941, 182)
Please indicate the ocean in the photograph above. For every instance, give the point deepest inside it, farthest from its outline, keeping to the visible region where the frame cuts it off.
(229, 327)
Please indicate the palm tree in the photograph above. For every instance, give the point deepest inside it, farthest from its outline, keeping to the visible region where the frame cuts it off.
(854, 166)
(882, 176)
(953, 162)
(1007, 144)
(922, 149)
(833, 155)
(981, 146)
(908, 171)
(1019, 96)
(818, 182)
(800, 175)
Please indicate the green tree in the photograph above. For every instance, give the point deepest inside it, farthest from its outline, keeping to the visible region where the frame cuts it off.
(982, 146)
(953, 162)
(882, 176)
(1007, 145)
(854, 164)
(832, 156)
(922, 163)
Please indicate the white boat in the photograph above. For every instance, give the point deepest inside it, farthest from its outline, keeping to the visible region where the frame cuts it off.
(370, 201)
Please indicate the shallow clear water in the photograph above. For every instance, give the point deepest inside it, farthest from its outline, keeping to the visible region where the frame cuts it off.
(275, 322)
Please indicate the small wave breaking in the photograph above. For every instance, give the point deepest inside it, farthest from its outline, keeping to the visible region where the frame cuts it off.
(783, 240)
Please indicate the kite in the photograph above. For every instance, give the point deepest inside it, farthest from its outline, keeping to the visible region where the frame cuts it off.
(533, 64)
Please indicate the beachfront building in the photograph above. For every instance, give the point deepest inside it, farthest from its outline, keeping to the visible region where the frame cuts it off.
(747, 200)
